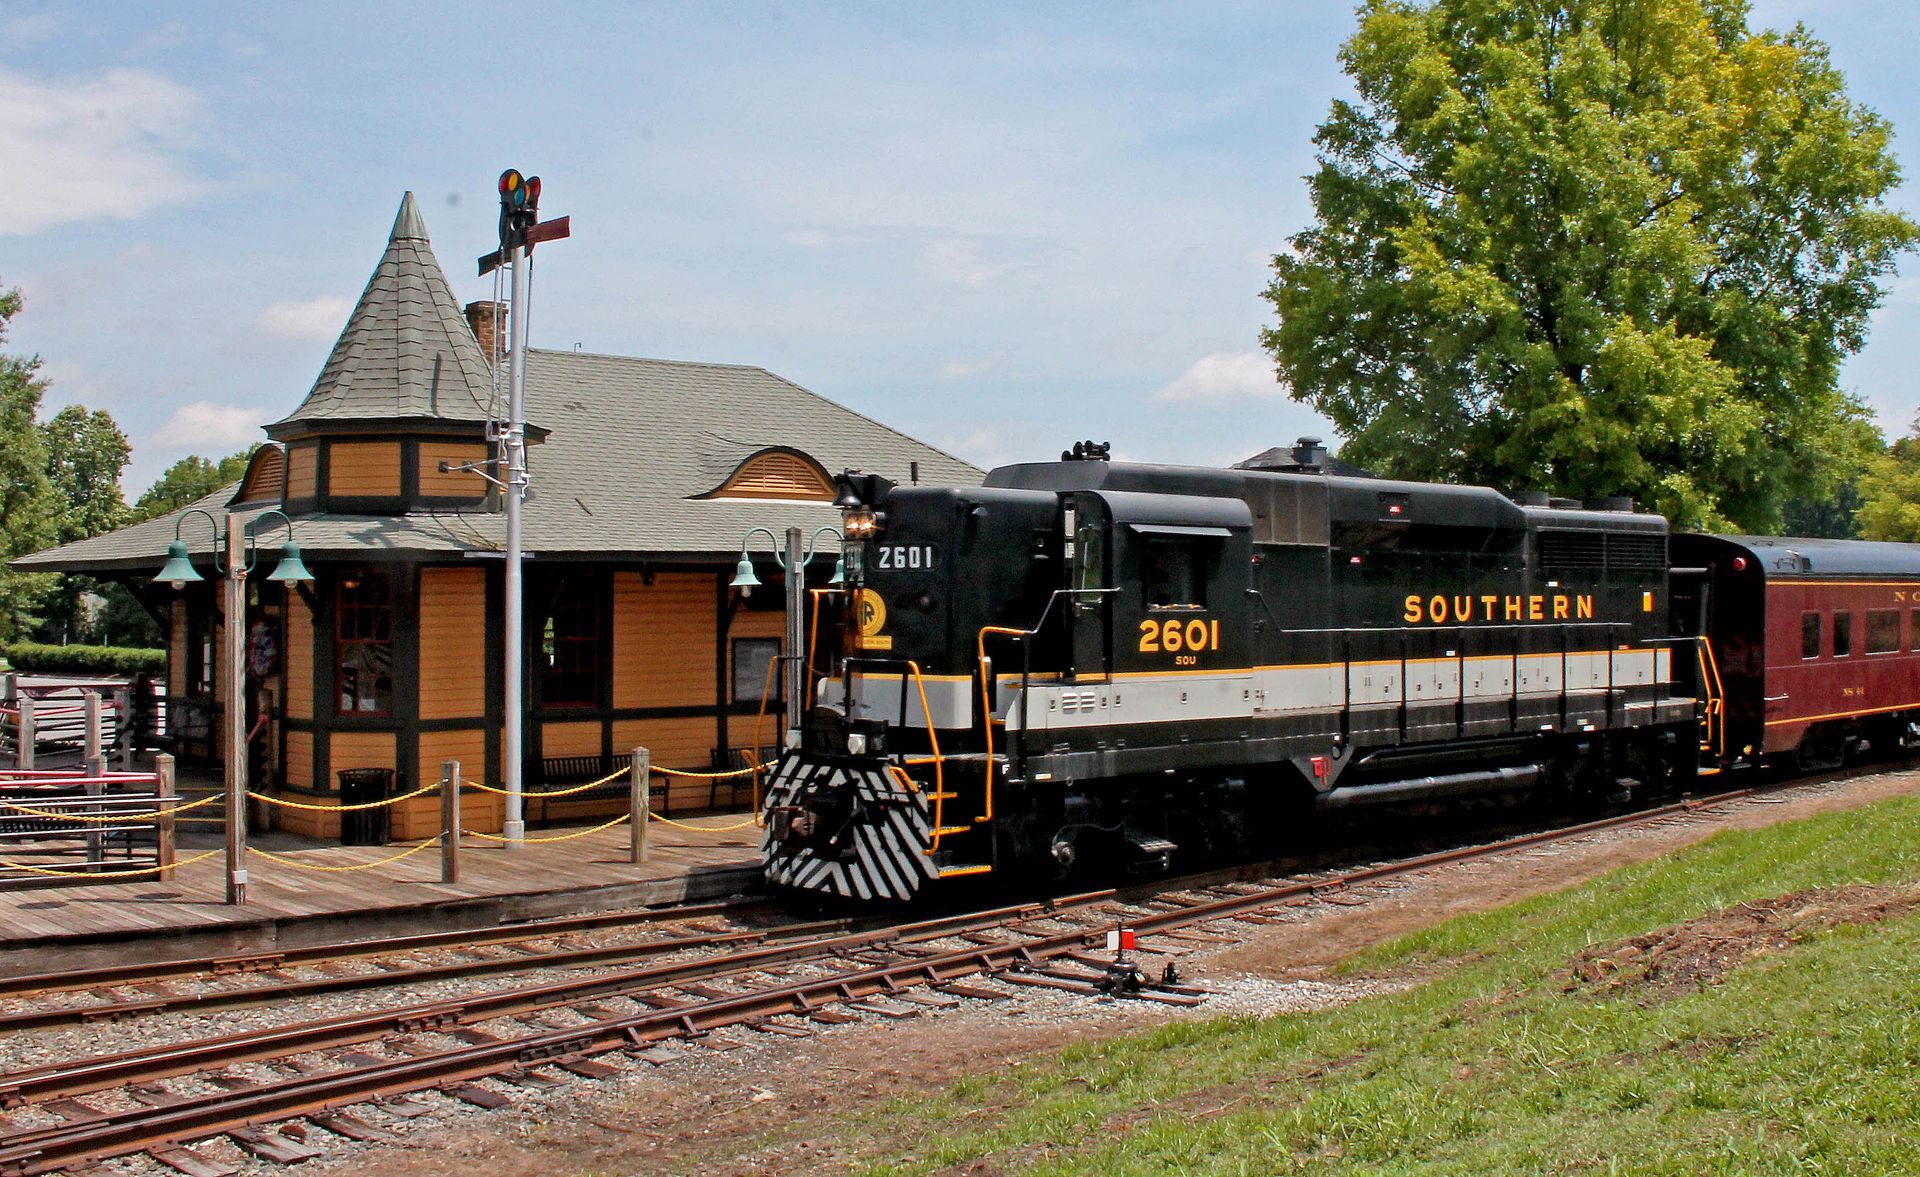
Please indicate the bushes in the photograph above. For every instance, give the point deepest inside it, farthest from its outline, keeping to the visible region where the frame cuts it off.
(39, 658)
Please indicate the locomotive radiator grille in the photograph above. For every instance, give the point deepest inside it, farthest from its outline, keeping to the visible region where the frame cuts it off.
(846, 830)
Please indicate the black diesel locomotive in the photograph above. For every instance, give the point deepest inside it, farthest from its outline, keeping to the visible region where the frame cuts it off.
(1108, 666)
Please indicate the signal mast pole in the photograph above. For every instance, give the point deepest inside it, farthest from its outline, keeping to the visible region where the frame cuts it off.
(520, 231)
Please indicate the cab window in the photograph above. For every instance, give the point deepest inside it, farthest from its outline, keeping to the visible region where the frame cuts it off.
(1174, 574)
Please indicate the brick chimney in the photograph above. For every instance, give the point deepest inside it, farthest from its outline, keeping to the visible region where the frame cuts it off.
(486, 318)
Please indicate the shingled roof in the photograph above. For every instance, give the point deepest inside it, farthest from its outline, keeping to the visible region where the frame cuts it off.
(635, 443)
(406, 353)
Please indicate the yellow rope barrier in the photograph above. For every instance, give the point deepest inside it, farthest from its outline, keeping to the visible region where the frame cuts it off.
(713, 776)
(739, 825)
(102, 874)
(605, 780)
(296, 863)
(110, 817)
(556, 838)
(286, 804)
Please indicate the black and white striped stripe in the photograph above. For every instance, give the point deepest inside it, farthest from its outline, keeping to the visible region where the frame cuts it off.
(890, 858)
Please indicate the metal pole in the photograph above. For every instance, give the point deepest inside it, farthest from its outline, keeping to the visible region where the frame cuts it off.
(515, 827)
(236, 627)
(449, 821)
(640, 803)
(796, 639)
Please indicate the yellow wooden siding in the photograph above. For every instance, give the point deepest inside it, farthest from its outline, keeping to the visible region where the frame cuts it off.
(479, 810)
(776, 476)
(686, 742)
(299, 767)
(362, 750)
(264, 476)
(453, 627)
(298, 659)
(302, 470)
(464, 485)
(663, 637)
(570, 739)
(363, 468)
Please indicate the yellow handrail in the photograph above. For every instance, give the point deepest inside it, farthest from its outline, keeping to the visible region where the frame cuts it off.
(986, 705)
(1716, 696)
(939, 773)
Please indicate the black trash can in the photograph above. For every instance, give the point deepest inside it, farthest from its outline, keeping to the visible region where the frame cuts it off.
(362, 786)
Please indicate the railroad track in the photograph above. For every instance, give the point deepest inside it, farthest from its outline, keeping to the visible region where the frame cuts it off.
(476, 1048)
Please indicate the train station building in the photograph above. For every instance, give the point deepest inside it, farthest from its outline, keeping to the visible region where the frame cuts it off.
(647, 477)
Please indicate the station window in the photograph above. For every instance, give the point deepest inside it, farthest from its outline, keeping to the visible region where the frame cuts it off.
(752, 660)
(1883, 631)
(570, 645)
(1842, 634)
(1174, 574)
(1809, 635)
(363, 644)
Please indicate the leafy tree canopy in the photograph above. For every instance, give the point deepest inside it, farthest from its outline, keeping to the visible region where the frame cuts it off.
(1595, 247)
(190, 478)
(1890, 493)
(29, 507)
(86, 451)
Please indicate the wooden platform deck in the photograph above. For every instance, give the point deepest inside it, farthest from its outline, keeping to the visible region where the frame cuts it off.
(185, 917)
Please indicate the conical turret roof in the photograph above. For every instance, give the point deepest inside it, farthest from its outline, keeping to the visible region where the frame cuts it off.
(406, 352)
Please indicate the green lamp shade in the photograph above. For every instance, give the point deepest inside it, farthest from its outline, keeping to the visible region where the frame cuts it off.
(743, 577)
(291, 567)
(179, 569)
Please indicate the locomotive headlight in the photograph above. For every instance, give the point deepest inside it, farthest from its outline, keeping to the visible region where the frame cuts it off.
(863, 523)
(857, 743)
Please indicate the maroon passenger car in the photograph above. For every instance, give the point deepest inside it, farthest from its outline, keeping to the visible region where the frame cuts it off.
(1812, 646)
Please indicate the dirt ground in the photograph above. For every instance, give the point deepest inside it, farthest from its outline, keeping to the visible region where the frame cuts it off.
(785, 1105)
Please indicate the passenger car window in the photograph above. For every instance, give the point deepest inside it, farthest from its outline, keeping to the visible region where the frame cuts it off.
(1883, 631)
(1842, 634)
(1809, 635)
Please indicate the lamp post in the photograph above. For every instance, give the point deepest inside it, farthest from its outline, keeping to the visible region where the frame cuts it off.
(793, 565)
(236, 552)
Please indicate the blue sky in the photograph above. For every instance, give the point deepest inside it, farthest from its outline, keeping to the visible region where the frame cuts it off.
(998, 227)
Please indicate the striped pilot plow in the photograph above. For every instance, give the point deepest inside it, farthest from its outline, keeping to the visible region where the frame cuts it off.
(852, 830)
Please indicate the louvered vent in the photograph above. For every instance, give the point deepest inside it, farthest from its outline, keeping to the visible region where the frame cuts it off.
(1595, 550)
(1636, 550)
(1573, 549)
(776, 476)
(265, 475)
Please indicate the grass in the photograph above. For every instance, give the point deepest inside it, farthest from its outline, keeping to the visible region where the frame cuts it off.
(1804, 1061)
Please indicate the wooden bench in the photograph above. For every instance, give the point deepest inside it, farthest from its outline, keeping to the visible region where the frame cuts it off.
(561, 772)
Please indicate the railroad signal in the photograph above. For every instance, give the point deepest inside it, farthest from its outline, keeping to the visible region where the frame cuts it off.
(520, 225)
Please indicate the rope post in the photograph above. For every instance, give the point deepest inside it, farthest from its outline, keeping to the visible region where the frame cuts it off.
(123, 725)
(640, 798)
(24, 754)
(163, 825)
(95, 766)
(449, 821)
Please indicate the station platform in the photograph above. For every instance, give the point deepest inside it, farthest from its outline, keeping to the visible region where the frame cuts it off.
(186, 917)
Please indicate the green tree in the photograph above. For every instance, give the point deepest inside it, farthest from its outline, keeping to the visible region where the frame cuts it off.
(29, 509)
(1890, 493)
(191, 478)
(86, 453)
(1595, 247)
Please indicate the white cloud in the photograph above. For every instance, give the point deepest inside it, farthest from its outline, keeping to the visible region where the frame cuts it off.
(204, 426)
(962, 369)
(108, 147)
(960, 261)
(70, 383)
(314, 318)
(1225, 377)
